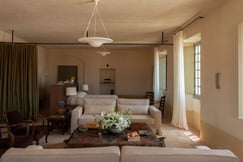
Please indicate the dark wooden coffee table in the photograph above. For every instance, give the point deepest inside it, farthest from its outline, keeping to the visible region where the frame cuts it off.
(100, 138)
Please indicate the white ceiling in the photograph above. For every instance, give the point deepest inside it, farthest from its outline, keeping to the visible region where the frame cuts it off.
(136, 21)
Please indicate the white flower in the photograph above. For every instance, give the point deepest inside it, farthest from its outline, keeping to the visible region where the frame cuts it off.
(114, 120)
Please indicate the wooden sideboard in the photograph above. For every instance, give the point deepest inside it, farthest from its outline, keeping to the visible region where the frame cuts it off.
(57, 93)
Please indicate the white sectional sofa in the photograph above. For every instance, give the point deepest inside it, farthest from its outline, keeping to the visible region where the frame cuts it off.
(92, 154)
(115, 154)
(157, 154)
(93, 106)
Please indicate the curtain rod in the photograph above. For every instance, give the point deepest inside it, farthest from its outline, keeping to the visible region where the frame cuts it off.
(182, 27)
(108, 44)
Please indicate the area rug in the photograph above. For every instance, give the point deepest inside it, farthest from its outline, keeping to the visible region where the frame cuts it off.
(174, 137)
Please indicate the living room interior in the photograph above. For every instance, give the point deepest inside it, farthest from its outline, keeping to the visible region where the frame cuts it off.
(139, 29)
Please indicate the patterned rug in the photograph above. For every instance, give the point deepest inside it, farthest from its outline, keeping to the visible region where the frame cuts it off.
(174, 137)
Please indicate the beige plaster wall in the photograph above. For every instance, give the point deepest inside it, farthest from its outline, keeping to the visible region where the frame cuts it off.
(6, 36)
(169, 77)
(193, 107)
(134, 67)
(220, 126)
(216, 138)
(189, 69)
(219, 36)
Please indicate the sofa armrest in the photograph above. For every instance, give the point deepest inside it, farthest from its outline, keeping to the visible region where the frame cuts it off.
(156, 114)
(76, 113)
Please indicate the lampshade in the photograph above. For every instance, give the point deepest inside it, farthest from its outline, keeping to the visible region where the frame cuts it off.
(95, 41)
(104, 53)
(85, 87)
(71, 91)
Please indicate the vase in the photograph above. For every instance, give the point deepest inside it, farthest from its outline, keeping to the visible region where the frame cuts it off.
(116, 130)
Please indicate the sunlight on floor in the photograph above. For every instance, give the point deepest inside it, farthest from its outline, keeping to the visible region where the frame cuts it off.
(190, 135)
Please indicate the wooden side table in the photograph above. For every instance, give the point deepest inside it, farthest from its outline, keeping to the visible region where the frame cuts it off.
(57, 122)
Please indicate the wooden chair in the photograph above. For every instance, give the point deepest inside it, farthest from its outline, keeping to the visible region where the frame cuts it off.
(162, 105)
(7, 140)
(19, 127)
(150, 96)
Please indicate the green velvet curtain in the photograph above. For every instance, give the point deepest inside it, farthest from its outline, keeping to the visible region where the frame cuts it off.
(18, 79)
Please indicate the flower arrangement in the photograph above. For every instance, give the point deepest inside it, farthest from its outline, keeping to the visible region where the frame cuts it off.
(114, 120)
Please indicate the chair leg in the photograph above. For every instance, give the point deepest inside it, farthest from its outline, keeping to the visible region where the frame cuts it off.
(46, 136)
(162, 110)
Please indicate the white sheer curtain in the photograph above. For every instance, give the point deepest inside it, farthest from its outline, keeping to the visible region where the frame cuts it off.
(179, 105)
(156, 74)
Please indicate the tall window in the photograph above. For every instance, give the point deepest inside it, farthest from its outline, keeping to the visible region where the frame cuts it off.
(197, 69)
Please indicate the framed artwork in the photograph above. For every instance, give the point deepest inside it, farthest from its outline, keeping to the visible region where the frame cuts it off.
(67, 73)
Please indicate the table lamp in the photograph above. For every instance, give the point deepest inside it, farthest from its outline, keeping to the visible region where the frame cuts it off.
(85, 88)
(71, 91)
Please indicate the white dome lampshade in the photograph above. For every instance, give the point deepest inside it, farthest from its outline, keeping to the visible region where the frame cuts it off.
(104, 53)
(71, 91)
(85, 87)
(95, 41)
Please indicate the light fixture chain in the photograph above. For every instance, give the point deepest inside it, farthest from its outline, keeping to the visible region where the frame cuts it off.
(91, 17)
(93, 40)
(102, 23)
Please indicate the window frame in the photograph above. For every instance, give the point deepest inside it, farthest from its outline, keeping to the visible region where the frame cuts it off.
(197, 70)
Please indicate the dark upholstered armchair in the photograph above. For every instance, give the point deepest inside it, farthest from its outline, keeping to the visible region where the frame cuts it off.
(19, 127)
(7, 140)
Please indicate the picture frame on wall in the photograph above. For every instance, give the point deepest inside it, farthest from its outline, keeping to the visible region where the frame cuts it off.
(67, 73)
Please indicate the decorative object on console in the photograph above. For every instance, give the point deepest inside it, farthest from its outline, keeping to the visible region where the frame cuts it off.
(71, 91)
(95, 41)
(72, 79)
(61, 105)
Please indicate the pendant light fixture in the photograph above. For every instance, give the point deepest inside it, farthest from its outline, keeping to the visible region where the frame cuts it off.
(95, 41)
(104, 52)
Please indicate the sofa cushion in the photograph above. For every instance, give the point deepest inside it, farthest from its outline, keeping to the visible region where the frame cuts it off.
(157, 154)
(94, 154)
(137, 106)
(97, 109)
(125, 101)
(136, 109)
(94, 106)
(142, 118)
(99, 101)
(101, 96)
